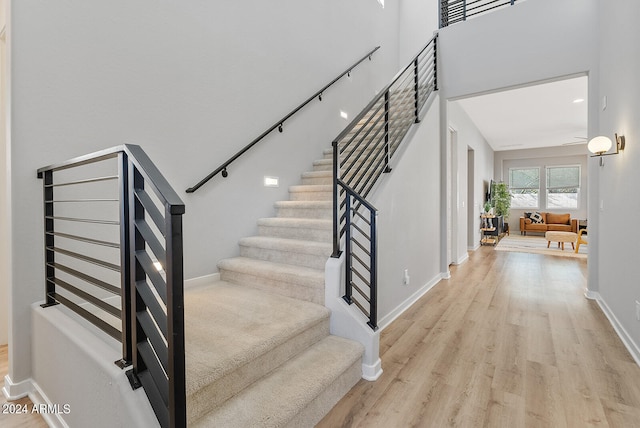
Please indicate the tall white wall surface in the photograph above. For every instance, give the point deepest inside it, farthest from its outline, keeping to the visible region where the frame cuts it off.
(418, 22)
(191, 82)
(4, 170)
(468, 137)
(619, 272)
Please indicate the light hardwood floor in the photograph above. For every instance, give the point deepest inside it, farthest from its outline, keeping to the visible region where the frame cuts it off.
(13, 420)
(509, 341)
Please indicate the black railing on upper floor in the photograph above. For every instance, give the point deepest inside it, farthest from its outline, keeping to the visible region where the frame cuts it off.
(452, 11)
(279, 124)
(361, 154)
(113, 255)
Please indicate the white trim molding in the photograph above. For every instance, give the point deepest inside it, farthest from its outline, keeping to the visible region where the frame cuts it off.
(201, 281)
(389, 318)
(626, 338)
(14, 391)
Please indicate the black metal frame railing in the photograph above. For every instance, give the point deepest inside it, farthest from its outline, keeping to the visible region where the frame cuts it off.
(150, 266)
(452, 11)
(361, 154)
(279, 124)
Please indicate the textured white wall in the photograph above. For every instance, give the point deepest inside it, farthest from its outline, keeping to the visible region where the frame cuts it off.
(619, 271)
(4, 221)
(191, 82)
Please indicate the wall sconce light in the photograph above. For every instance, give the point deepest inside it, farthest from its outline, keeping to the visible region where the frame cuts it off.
(599, 146)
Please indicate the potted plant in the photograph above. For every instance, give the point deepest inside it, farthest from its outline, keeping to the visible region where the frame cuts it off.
(502, 202)
(487, 207)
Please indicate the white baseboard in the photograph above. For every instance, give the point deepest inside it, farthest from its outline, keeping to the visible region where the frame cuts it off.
(372, 372)
(474, 248)
(462, 259)
(201, 281)
(389, 318)
(628, 342)
(51, 413)
(14, 391)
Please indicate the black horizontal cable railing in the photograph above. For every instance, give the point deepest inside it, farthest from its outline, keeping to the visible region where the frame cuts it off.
(113, 255)
(452, 11)
(279, 125)
(361, 154)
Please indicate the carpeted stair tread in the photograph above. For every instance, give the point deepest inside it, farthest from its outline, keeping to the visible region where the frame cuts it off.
(290, 395)
(282, 272)
(292, 245)
(311, 188)
(310, 223)
(313, 254)
(316, 192)
(235, 335)
(304, 209)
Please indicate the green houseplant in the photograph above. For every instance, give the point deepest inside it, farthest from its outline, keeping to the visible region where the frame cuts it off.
(501, 199)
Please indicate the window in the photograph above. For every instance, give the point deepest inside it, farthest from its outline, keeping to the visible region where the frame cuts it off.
(563, 186)
(524, 185)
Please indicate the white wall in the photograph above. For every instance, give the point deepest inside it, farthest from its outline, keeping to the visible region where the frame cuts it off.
(4, 222)
(550, 156)
(418, 21)
(618, 281)
(191, 82)
(408, 206)
(468, 137)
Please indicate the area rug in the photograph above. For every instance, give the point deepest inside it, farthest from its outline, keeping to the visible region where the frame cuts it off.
(538, 245)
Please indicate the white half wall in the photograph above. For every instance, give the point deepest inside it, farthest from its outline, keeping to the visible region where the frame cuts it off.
(408, 206)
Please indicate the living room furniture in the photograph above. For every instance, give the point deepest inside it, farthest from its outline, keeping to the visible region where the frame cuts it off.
(581, 239)
(560, 238)
(550, 222)
(492, 229)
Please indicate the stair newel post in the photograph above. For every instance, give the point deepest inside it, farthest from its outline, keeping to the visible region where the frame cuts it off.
(175, 318)
(347, 248)
(336, 201)
(50, 272)
(125, 259)
(387, 168)
(416, 88)
(373, 291)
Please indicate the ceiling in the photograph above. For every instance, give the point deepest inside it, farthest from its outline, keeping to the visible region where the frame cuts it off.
(543, 115)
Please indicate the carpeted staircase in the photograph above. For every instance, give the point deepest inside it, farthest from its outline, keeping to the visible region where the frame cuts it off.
(258, 348)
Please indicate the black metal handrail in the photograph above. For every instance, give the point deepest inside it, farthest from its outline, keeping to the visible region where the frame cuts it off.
(150, 319)
(362, 152)
(279, 124)
(452, 11)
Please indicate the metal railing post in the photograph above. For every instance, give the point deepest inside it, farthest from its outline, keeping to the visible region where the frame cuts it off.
(387, 168)
(336, 201)
(125, 260)
(347, 248)
(50, 272)
(435, 63)
(373, 293)
(416, 88)
(464, 10)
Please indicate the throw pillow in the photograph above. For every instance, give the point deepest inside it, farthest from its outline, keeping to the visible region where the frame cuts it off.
(527, 215)
(536, 217)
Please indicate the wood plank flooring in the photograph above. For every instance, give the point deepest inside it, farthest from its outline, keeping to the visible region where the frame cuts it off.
(509, 341)
(13, 420)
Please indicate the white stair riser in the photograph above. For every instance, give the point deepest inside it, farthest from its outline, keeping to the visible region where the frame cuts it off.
(310, 294)
(317, 235)
(279, 256)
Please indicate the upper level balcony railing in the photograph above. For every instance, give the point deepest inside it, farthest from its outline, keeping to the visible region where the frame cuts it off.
(452, 11)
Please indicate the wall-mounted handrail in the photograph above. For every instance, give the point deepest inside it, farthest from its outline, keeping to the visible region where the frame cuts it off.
(149, 245)
(362, 152)
(452, 11)
(279, 124)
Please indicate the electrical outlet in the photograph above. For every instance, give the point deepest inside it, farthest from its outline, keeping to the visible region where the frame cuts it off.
(406, 279)
(637, 310)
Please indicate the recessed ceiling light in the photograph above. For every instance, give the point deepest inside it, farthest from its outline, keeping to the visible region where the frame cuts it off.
(578, 100)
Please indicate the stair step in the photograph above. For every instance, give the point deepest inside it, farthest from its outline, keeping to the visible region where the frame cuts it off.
(290, 251)
(299, 393)
(317, 177)
(314, 192)
(323, 165)
(304, 209)
(288, 280)
(296, 228)
(235, 335)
